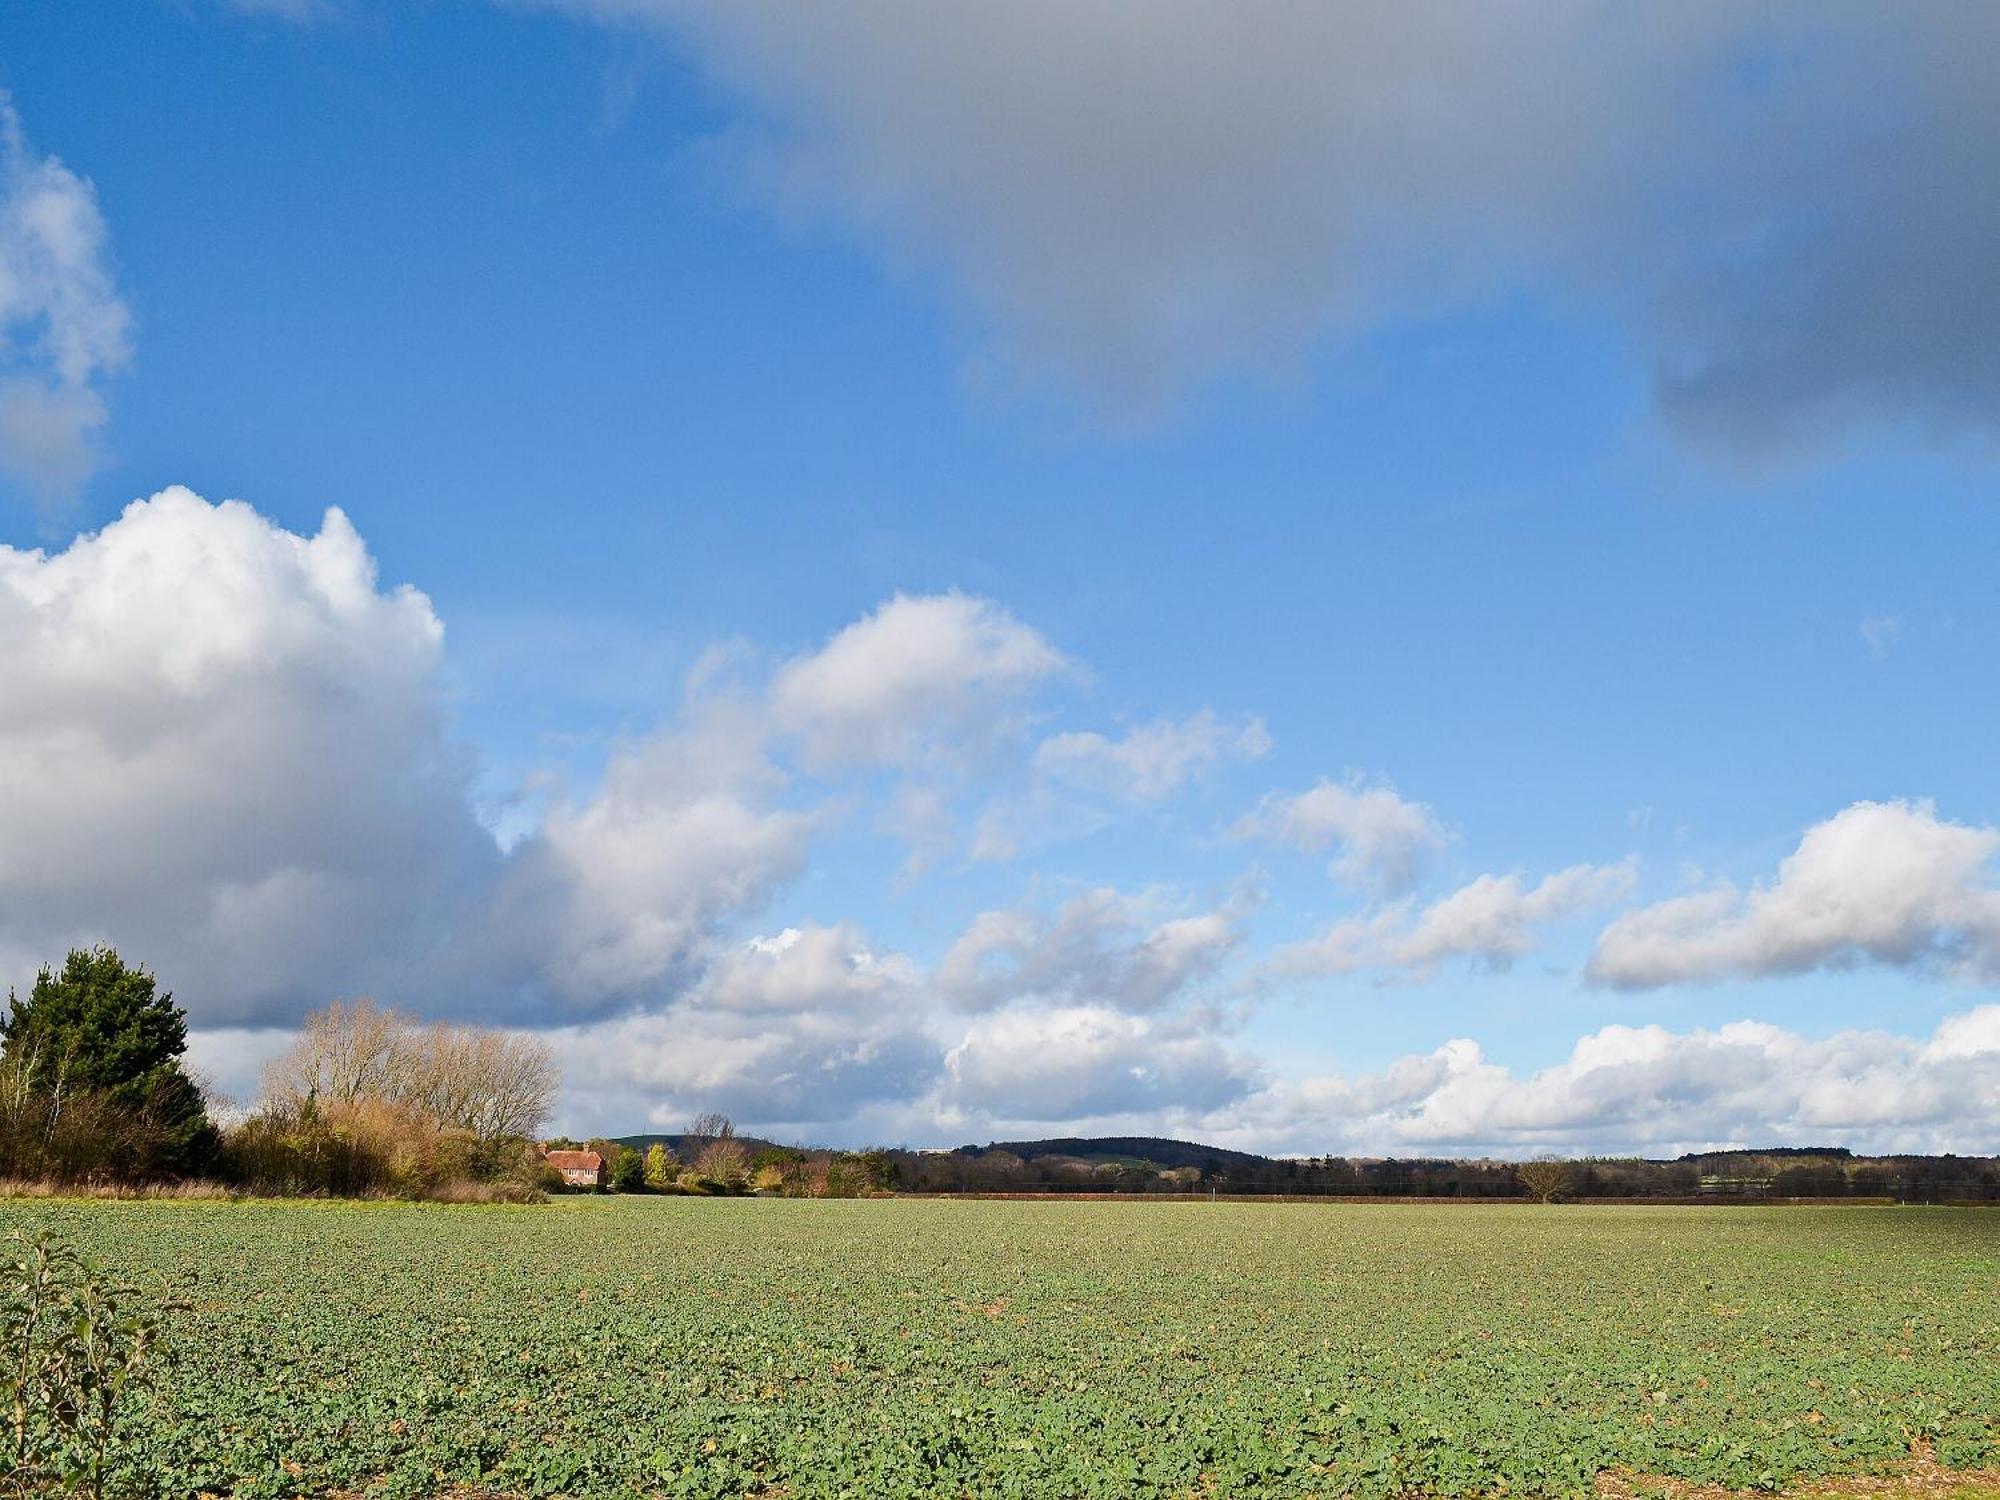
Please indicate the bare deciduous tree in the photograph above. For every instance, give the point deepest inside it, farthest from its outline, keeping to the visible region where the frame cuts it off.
(341, 1055)
(1546, 1178)
(490, 1084)
(706, 1129)
(493, 1084)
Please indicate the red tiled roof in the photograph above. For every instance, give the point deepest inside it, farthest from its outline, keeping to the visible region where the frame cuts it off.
(575, 1161)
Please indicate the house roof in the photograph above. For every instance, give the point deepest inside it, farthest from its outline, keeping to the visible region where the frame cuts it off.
(575, 1161)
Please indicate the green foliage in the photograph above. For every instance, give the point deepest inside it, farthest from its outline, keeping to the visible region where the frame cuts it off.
(910, 1348)
(662, 1167)
(100, 1029)
(628, 1170)
(100, 1025)
(73, 1346)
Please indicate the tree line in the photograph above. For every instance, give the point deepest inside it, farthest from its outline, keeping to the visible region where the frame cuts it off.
(1830, 1172)
(365, 1101)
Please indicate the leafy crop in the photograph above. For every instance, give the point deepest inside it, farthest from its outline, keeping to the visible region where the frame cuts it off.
(693, 1347)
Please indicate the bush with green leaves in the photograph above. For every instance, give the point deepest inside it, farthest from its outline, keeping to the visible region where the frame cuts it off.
(76, 1345)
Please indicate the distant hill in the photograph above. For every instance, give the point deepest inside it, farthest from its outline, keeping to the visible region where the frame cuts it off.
(1127, 1150)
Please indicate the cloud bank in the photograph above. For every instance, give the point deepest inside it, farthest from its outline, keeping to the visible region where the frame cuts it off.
(1648, 1090)
(227, 749)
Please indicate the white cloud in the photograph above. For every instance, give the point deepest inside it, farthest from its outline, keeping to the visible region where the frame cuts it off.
(923, 678)
(227, 750)
(1098, 949)
(1080, 1062)
(1384, 840)
(1644, 1089)
(1135, 199)
(1491, 921)
(803, 1029)
(617, 895)
(1150, 761)
(1882, 882)
(63, 326)
(1080, 781)
(224, 749)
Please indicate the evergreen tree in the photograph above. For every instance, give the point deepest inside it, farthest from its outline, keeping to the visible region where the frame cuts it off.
(100, 1027)
(628, 1170)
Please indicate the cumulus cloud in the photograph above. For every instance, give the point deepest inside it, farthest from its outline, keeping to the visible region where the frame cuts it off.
(615, 895)
(1077, 1062)
(1491, 921)
(813, 1030)
(1882, 882)
(226, 748)
(63, 326)
(1645, 1089)
(1383, 840)
(921, 679)
(1098, 949)
(1133, 199)
(804, 1028)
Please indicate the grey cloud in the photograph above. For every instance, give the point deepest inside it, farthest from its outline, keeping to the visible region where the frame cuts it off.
(1790, 207)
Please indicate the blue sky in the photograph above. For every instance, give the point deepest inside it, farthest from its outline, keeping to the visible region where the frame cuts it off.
(1588, 486)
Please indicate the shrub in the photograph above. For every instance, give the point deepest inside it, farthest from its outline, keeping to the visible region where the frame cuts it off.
(725, 1163)
(370, 1147)
(76, 1344)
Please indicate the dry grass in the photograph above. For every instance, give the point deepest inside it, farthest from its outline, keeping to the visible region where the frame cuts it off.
(456, 1190)
(46, 1187)
(466, 1190)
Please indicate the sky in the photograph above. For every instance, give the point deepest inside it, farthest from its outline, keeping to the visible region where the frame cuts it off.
(1325, 579)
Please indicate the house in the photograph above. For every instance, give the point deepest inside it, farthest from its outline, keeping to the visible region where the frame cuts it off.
(581, 1169)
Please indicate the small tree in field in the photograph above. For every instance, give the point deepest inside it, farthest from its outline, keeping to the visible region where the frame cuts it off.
(1546, 1178)
(661, 1167)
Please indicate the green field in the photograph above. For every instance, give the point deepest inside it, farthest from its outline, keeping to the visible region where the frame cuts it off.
(799, 1348)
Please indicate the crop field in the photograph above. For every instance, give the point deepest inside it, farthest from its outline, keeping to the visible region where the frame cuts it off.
(799, 1348)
